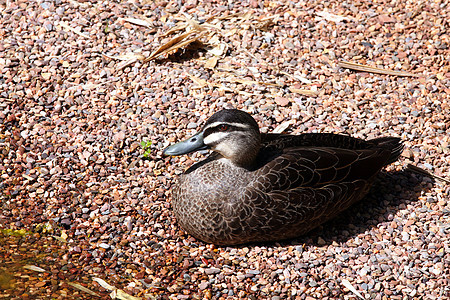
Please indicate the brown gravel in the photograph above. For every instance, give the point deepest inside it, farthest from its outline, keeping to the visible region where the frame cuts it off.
(79, 201)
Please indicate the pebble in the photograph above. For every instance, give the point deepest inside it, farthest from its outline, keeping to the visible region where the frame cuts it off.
(211, 271)
(73, 115)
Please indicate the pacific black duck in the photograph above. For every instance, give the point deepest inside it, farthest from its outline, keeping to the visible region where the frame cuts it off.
(259, 187)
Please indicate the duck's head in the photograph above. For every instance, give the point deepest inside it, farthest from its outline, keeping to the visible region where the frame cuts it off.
(232, 133)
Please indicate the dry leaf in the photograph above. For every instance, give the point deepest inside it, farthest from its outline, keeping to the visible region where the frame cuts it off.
(169, 44)
(219, 49)
(365, 68)
(211, 62)
(194, 24)
(120, 294)
(137, 22)
(34, 268)
(104, 284)
(82, 288)
(174, 29)
(200, 82)
(282, 127)
(176, 43)
(116, 293)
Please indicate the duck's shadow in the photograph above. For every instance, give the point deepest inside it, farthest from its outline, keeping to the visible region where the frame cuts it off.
(391, 192)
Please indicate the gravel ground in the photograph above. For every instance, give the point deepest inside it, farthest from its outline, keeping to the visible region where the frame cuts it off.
(79, 201)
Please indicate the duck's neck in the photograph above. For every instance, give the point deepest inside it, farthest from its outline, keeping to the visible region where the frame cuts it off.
(242, 156)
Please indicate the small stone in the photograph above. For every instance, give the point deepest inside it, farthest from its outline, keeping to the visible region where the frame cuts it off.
(203, 285)
(282, 101)
(104, 246)
(211, 271)
(385, 19)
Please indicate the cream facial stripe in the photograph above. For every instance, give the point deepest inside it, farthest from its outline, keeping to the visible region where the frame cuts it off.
(214, 137)
(226, 123)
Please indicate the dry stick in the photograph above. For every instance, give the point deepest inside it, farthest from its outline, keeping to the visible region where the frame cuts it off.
(364, 68)
(425, 172)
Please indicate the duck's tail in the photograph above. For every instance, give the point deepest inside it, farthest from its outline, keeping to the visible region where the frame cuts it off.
(393, 144)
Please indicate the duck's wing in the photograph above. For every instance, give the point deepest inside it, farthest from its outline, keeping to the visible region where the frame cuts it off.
(286, 214)
(285, 141)
(304, 187)
(314, 167)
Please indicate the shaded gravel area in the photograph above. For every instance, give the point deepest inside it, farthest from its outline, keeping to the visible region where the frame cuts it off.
(79, 200)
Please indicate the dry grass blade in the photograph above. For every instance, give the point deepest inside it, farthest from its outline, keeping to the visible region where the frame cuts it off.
(365, 68)
(176, 28)
(425, 172)
(126, 57)
(82, 288)
(253, 82)
(303, 92)
(126, 63)
(348, 285)
(66, 26)
(332, 17)
(230, 16)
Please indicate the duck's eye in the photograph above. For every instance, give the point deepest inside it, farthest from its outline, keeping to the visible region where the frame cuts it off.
(223, 127)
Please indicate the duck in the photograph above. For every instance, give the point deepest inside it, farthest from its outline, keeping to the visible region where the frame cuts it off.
(265, 187)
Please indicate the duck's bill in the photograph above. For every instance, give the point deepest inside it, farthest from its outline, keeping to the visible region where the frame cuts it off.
(192, 144)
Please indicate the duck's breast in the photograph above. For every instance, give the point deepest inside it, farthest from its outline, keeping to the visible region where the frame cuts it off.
(206, 201)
